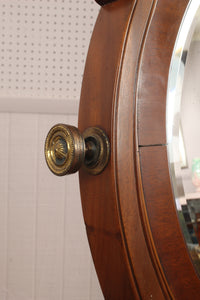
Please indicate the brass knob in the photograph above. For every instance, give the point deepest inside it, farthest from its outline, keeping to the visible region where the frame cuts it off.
(67, 150)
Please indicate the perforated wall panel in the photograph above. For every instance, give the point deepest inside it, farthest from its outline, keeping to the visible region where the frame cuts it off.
(43, 46)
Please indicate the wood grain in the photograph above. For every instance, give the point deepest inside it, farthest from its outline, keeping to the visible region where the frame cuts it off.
(142, 257)
(99, 193)
(151, 129)
(110, 201)
(129, 211)
(154, 70)
(165, 227)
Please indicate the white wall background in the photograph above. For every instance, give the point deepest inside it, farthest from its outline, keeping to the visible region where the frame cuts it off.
(44, 253)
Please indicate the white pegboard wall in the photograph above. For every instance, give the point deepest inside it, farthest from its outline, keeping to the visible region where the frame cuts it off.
(43, 47)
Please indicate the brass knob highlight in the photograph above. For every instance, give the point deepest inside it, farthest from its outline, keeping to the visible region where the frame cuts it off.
(67, 150)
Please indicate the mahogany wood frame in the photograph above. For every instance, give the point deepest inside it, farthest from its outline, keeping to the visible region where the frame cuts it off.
(129, 211)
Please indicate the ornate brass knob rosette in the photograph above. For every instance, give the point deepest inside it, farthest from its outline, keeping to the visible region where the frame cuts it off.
(66, 150)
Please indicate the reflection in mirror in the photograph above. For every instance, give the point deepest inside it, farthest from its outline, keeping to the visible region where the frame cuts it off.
(183, 122)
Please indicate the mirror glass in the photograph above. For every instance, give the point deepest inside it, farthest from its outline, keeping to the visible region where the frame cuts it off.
(183, 123)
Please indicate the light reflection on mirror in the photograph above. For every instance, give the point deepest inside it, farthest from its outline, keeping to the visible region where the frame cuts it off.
(183, 123)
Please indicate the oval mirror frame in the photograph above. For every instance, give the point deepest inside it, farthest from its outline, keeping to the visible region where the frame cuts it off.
(129, 210)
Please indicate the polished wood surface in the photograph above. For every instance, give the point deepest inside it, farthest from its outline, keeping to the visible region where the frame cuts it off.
(165, 227)
(137, 234)
(99, 193)
(129, 210)
(151, 123)
(154, 70)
